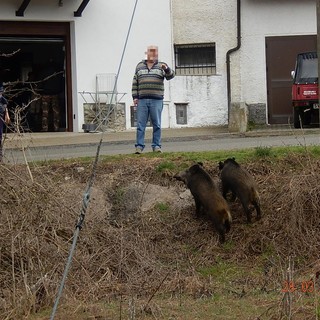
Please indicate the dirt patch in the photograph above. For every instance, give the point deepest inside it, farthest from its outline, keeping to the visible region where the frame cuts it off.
(141, 240)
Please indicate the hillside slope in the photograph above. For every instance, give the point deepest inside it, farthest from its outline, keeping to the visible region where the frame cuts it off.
(141, 251)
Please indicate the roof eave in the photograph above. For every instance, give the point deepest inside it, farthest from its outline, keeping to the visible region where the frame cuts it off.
(25, 3)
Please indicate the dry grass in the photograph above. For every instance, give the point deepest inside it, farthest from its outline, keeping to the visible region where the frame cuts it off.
(156, 262)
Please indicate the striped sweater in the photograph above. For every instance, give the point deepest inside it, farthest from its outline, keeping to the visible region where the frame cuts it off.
(148, 84)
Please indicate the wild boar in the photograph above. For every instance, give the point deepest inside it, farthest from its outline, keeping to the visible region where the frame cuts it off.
(207, 198)
(242, 185)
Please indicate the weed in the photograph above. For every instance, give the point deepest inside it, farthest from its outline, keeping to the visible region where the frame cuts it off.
(251, 125)
(118, 197)
(222, 270)
(263, 152)
(162, 207)
(165, 166)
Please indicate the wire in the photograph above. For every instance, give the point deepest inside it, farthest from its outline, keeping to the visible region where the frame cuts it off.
(87, 193)
(120, 64)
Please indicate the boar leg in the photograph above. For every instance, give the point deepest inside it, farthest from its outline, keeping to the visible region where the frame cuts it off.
(198, 206)
(244, 202)
(221, 230)
(257, 207)
(225, 190)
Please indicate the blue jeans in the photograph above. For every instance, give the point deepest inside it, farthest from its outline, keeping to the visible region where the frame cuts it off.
(145, 108)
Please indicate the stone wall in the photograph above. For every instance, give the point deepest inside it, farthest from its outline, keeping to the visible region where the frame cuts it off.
(257, 113)
(105, 116)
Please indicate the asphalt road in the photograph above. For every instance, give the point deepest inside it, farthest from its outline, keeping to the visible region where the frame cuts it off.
(196, 143)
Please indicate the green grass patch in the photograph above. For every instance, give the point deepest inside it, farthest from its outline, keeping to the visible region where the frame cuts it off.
(165, 166)
(221, 270)
(262, 152)
(162, 207)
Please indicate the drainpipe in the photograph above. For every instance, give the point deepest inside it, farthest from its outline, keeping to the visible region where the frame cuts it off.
(231, 51)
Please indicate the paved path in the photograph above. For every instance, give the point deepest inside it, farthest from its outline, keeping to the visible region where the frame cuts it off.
(73, 145)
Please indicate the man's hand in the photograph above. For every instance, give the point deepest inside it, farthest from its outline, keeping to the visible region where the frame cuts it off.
(135, 102)
(164, 67)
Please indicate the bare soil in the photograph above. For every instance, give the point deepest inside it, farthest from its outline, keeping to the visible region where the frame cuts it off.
(141, 252)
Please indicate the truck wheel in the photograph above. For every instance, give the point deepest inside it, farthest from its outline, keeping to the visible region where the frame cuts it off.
(296, 118)
(307, 118)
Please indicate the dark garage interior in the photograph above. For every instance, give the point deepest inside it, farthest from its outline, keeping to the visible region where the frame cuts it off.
(32, 70)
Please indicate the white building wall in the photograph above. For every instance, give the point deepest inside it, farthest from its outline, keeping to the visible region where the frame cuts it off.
(99, 38)
(202, 21)
(261, 19)
(215, 21)
(101, 35)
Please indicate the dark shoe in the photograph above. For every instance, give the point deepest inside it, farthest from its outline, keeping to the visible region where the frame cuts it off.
(138, 150)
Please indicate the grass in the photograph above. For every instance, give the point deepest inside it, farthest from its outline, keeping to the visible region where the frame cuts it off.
(217, 306)
(166, 165)
(221, 270)
(162, 207)
(169, 158)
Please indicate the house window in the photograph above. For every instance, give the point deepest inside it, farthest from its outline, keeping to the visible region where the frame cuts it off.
(181, 113)
(133, 112)
(196, 59)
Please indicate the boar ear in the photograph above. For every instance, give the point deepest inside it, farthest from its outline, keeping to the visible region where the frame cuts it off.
(200, 163)
(195, 168)
(220, 165)
(233, 158)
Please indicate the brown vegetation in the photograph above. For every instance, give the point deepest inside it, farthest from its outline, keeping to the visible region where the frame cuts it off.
(141, 242)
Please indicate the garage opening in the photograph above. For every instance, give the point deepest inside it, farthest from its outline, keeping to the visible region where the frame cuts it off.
(35, 69)
(34, 72)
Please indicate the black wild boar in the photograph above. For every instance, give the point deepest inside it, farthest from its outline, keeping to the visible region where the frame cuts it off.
(241, 184)
(207, 198)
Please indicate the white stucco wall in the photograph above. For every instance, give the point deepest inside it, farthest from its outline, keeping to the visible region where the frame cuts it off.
(261, 19)
(98, 39)
(203, 21)
(107, 23)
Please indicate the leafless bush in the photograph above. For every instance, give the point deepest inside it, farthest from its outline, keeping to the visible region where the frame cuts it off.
(148, 253)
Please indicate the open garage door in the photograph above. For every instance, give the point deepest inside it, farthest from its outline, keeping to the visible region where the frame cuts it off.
(35, 68)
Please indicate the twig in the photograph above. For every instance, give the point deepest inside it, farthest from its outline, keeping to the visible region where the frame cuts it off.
(157, 289)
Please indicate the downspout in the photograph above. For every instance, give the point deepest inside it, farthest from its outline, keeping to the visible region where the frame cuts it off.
(231, 51)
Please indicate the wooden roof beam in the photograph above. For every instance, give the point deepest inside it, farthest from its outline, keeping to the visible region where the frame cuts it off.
(82, 6)
(23, 6)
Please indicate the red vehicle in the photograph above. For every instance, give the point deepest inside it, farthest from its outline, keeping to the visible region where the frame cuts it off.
(305, 99)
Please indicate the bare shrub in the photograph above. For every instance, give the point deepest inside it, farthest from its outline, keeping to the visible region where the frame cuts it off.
(154, 252)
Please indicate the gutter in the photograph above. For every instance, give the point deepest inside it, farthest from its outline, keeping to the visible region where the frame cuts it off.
(229, 52)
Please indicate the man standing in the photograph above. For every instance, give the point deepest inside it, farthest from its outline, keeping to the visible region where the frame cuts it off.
(147, 94)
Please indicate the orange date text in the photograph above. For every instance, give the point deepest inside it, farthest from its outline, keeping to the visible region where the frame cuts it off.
(304, 286)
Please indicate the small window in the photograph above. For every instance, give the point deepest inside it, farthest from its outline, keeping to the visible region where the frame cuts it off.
(199, 59)
(181, 113)
(133, 112)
